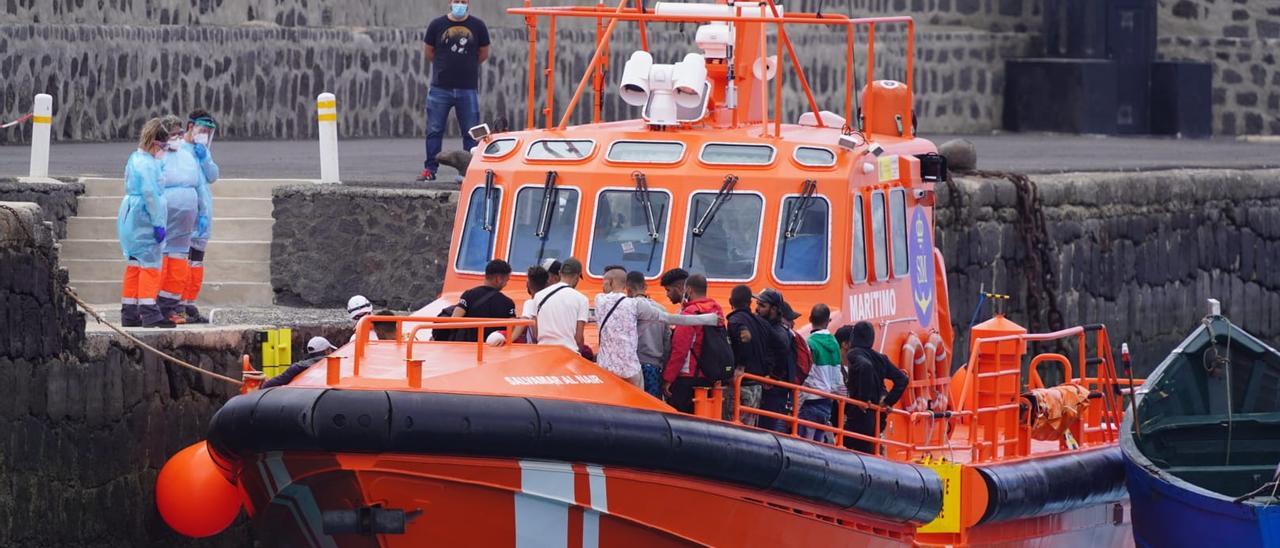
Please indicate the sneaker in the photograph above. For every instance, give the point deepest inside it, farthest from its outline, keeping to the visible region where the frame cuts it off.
(162, 324)
(194, 317)
(177, 319)
(426, 175)
(130, 322)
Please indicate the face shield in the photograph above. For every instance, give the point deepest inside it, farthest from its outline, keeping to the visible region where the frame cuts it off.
(203, 131)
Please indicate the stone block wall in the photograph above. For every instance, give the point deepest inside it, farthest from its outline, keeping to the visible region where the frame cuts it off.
(1144, 267)
(86, 423)
(334, 241)
(1241, 40)
(37, 320)
(57, 201)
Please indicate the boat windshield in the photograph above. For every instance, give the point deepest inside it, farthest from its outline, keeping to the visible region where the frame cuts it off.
(476, 245)
(801, 256)
(621, 235)
(727, 248)
(529, 243)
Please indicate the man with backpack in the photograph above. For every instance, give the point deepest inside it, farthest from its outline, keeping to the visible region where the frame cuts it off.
(700, 356)
(780, 348)
(485, 301)
(619, 326)
(561, 310)
(868, 370)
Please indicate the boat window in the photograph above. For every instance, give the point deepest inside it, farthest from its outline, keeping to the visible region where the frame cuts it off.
(878, 236)
(528, 247)
(499, 147)
(737, 154)
(622, 236)
(475, 248)
(727, 249)
(560, 149)
(858, 266)
(815, 157)
(646, 152)
(801, 253)
(898, 218)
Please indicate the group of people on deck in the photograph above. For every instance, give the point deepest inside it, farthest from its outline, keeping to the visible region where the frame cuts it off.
(659, 352)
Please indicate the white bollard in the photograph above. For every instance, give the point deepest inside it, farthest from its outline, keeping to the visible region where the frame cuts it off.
(327, 117)
(41, 122)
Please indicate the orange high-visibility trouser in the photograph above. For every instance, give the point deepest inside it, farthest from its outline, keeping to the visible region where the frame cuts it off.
(141, 285)
(195, 276)
(175, 277)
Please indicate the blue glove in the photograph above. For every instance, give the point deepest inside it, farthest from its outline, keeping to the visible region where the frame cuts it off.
(201, 151)
(158, 232)
(202, 224)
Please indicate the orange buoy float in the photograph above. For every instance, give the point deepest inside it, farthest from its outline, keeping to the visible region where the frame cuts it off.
(193, 496)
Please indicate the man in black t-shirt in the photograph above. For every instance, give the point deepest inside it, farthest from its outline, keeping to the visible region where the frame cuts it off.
(455, 44)
(486, 301)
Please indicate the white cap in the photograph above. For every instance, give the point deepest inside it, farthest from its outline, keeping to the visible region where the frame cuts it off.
(358, 306)
(319, 344)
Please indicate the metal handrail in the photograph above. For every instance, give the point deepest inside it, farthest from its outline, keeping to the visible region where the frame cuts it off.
(426, 322)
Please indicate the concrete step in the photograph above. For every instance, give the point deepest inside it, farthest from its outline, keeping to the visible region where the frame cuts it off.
(109, 206)
(86, 249)
(212, 294)
(224, 229)
(214, 272)
(223, 188)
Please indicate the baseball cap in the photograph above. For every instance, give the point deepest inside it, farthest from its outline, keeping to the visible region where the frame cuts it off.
(319, 344)
(552, 266)
(358, 306)
(771, 297)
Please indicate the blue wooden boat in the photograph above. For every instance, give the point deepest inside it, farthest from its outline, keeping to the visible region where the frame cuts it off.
(1202, 443)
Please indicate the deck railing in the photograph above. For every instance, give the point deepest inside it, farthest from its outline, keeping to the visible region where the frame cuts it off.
(421, 323)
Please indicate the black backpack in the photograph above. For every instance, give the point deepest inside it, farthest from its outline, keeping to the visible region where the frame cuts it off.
(715, 361)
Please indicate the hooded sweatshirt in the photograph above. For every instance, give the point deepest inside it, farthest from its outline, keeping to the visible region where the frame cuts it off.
(826, 374)
(869, 369)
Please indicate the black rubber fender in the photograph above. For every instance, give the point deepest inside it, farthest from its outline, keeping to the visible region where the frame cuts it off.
(374, 421)
(1050, 485)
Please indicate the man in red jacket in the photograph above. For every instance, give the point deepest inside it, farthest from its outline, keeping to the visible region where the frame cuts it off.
(681, 374)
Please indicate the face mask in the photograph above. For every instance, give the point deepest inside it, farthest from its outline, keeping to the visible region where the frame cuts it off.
(459, 10)
(201, 139)
(173, 144)
(160, 154)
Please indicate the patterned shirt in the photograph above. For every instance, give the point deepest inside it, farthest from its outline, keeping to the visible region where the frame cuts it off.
(618, 336)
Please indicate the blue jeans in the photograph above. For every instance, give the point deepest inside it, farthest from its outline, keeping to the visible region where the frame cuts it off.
(777, 400)
(818, 411)
(439, 102)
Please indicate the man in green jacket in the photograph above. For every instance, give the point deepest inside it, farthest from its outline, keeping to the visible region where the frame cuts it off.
(825, 375)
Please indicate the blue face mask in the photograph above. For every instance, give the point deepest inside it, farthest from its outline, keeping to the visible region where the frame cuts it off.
(458, 10)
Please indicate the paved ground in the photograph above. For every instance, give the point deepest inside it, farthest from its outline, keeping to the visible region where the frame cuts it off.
(400, 160)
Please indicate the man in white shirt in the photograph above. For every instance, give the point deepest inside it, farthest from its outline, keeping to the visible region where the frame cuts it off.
(561, 310)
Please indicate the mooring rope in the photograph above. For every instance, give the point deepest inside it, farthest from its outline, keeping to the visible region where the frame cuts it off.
(146, 346)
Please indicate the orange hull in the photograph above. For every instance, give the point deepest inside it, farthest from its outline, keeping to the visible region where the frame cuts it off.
(508, 502)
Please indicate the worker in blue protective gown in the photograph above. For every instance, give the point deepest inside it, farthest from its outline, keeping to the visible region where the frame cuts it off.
(140, 226)
(185, 170)
(201, 129)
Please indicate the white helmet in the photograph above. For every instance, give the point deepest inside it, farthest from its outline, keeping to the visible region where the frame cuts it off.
(358, 306)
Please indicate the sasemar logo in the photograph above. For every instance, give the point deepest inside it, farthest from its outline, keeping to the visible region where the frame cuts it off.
(920, 252)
